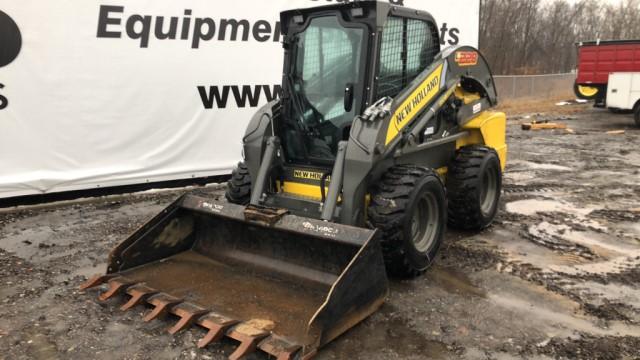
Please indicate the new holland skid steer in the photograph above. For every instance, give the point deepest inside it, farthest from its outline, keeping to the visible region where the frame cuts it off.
(379, 139)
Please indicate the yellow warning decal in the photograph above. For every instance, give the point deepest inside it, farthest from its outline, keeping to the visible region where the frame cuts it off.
(415, 103)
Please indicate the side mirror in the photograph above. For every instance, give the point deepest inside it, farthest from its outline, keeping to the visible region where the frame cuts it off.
(348, 97)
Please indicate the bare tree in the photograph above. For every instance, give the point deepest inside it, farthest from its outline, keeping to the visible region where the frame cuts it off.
(536, 37)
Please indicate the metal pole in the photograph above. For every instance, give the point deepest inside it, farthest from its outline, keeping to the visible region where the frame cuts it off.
(533, 84)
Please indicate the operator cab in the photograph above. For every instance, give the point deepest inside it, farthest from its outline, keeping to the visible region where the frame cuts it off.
(326, 69)
(327, 78)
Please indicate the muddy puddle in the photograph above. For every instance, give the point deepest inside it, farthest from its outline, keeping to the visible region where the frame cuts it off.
(532, 206)
(454, 281)
(387, 336)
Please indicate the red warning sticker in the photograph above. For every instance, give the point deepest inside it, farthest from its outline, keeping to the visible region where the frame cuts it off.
(467, 58)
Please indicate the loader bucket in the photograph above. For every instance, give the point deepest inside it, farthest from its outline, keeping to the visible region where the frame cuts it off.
(278, 283)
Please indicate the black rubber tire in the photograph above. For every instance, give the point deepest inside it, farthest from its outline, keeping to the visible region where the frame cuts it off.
(239, 186)
(465, 182)
(394, 199)
(636, 114)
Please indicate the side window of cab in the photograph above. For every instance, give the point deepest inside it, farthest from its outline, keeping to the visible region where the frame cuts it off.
(408, 47)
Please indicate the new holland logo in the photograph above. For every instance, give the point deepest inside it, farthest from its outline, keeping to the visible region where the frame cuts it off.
(414, 104)
(307, 175)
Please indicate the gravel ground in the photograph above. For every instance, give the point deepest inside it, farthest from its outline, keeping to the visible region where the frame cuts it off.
(556, 276)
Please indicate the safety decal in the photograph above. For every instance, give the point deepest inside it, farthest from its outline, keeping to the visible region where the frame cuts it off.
(467, 58)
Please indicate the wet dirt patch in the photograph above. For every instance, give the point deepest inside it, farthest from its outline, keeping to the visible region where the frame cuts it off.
(629, 277)
(608, 311)
(553, 238)
(455, 281)
(556, 276)
(388, 336)
(533, 206)
(591, 348)
(631, 215)
(468, 255)
(522, 164)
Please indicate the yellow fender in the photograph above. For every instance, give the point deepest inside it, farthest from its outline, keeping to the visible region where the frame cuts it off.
(488, 128)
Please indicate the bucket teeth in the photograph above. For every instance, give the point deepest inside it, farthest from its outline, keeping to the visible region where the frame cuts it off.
(162, 303)
(217, 325)
(188, 313)
(253, 335)
(116, 285)
(279, 347)
(248, 336)
(95, 281)
(139, 293)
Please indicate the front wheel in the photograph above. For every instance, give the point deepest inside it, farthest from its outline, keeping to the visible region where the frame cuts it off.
(408, 205)
(474, 182)
(636, 114)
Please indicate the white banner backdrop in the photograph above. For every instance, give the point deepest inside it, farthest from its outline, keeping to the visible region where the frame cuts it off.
(115, 92)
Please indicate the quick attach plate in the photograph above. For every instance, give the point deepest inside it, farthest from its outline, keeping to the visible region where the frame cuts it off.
(264, 214)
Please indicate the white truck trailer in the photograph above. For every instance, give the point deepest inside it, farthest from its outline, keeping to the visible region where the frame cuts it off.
(623, 93)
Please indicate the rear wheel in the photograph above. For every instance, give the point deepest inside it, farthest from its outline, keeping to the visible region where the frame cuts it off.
(239, 186)
(474, 182)
(586, 92)
(409, 206)
(636, 114)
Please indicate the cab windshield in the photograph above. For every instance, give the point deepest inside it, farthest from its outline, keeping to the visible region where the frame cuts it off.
(324, 80)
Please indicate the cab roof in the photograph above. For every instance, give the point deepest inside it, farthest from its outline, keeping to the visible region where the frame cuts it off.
(382, 9)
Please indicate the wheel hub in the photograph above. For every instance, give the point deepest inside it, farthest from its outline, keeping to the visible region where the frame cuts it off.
(587, 91)
(488, 191)
(424, 223)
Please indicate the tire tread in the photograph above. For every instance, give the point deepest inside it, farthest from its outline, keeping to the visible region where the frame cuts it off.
(239, 186)
(387, 210)
(462, 188)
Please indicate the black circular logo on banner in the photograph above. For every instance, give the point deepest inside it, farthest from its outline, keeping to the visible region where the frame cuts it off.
(10, 39)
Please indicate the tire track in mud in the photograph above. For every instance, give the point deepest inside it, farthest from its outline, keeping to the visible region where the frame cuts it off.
(558, 278)
(574, 220)
(589, 347)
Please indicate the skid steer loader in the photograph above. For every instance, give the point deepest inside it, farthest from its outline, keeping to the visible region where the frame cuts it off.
(378, 141)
